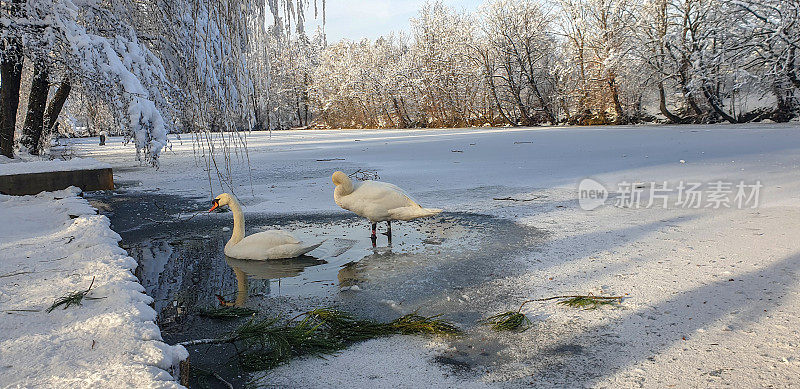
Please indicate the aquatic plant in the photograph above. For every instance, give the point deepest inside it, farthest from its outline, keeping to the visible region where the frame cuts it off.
(415, 324)
(323, 331)
(517, 321)
(508, 321)
(589, 302)
(264, 343)
(226, 313)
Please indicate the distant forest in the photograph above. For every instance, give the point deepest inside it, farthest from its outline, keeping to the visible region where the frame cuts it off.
(145, 68)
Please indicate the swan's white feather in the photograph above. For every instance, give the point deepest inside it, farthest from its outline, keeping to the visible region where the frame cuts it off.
(409, 213)
(273, 244)
(382, 201)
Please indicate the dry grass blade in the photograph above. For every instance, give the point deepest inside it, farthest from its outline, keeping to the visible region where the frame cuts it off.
(74, 298)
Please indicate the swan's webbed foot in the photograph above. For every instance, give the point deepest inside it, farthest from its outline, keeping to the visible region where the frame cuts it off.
(374, 240)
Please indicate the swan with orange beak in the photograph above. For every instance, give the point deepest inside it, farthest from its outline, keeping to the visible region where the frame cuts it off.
(272, 244)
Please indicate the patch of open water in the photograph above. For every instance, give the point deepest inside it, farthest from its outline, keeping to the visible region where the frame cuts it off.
(426, 267)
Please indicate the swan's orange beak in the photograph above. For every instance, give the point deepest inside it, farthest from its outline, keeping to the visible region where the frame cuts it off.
(215, 205)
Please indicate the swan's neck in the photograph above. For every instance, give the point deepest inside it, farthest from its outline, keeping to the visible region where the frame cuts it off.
(238, 222)
(343, 189)
(241, 287)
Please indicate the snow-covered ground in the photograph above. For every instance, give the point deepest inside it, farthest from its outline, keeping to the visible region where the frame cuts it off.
(714, 293)
(52, 244)
(15, 166)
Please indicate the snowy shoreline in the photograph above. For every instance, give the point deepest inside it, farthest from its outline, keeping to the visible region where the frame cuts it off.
(11, 167)
(54, 243)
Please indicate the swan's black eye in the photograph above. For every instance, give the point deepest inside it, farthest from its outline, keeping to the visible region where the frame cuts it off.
(215, 202)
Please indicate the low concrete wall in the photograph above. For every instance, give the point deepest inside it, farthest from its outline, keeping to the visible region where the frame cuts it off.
(33, 183)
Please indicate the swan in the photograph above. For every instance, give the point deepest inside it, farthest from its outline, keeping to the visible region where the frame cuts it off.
(377, 201)
(273, 244)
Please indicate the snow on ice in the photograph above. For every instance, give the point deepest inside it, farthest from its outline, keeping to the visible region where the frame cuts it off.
(713, 292)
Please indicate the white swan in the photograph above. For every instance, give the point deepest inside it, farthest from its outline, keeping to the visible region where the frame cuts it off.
(377, 201)
(272, 244)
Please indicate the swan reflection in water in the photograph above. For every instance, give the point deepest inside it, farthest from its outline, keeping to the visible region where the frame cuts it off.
(273, 269)
(381, 261)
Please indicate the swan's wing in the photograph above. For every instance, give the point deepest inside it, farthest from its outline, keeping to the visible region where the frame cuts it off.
(272, 244)
(383, 193)
(413, 212)
(269, 239)
(290, 250)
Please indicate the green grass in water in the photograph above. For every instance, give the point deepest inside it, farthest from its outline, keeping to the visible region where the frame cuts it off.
(268, 342)
(227, 313)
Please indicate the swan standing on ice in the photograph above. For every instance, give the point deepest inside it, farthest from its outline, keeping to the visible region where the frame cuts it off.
(272, 244)
(377, 201)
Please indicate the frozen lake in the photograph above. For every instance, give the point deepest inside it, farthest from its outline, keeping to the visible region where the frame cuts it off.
(703, 283)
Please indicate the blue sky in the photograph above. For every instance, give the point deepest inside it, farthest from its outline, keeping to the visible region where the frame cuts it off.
(355, 19)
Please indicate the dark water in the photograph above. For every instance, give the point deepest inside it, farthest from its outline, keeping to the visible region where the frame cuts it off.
(426, 266)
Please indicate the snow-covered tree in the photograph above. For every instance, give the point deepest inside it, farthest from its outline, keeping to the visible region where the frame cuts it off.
(154, 65)
(516, 55)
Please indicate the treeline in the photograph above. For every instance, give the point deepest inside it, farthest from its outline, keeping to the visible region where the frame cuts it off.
(524, 62)
(145, 68)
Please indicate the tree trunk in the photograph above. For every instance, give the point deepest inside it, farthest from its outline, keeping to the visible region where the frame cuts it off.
(713, 101)
(785, 103)
(684, 81)
(399, 113)
(11, 75)
(37, 102)
(10, 78)
(55, 106)
(662, 105)
(532, 82)
(612, 85)
(791, 70)
(488, 72)
(256, 116)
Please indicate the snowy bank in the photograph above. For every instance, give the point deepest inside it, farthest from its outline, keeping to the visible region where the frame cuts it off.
(12, 166)
(53, 244)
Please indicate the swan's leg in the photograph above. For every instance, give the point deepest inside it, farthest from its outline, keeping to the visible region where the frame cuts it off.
(388, 229)
(374, 226)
